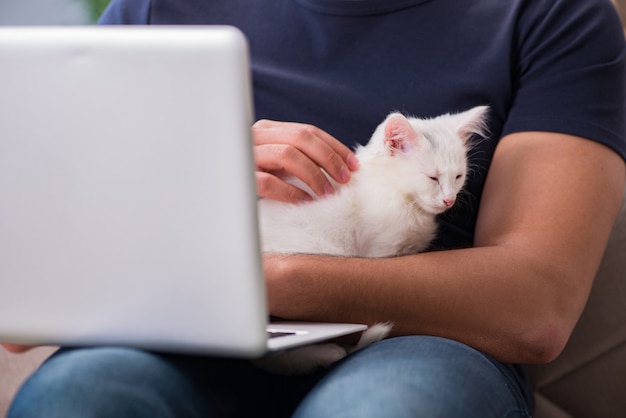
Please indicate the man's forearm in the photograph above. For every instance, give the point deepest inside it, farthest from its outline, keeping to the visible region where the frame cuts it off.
(477, 298)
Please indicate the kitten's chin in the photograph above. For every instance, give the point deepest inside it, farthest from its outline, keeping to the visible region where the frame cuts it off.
(436, 209)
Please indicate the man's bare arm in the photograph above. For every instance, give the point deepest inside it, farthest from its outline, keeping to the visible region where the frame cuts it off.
(547, 210)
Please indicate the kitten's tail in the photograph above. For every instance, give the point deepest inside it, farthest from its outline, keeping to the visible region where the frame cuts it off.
(373, 334)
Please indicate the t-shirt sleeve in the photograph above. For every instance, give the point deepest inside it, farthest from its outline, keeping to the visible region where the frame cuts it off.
(571, 72)
(126, 12)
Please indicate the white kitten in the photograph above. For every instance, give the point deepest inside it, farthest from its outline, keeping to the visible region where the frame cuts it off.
(410, 171)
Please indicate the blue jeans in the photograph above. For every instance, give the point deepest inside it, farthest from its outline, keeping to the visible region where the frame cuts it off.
(399, 377)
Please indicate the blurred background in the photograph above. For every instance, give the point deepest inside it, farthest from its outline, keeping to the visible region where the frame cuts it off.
(50, 12)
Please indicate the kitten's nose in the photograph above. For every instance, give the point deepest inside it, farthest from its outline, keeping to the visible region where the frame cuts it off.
(448, 202)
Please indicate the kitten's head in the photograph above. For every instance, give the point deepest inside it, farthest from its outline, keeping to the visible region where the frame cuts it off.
(429, 156)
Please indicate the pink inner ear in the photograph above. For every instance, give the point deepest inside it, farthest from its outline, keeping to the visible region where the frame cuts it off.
(399, 135)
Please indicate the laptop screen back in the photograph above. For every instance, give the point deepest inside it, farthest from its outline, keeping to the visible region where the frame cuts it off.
(127, 199)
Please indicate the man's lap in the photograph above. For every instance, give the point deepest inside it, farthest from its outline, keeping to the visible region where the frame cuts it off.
(407, 376)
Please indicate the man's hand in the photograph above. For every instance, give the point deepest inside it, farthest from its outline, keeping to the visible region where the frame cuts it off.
(16, 348)
(283, 149)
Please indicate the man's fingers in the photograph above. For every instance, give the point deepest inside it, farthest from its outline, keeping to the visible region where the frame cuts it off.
(16, 348)
(321, 148)
(284, 160)
(271, 187)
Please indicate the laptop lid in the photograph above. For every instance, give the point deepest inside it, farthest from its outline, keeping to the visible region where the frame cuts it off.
(127, 194)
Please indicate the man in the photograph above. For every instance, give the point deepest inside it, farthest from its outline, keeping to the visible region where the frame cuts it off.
(513, 265)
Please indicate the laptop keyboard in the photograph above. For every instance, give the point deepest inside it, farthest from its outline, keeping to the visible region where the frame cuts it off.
(275, 334)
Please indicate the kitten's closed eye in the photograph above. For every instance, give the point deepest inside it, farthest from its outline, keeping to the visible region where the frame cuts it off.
(435, 178)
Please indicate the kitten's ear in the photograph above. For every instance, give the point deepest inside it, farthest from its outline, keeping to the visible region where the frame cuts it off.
(472, 122)
(399, 134)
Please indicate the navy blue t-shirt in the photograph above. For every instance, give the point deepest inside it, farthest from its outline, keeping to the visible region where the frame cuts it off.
(555, 65)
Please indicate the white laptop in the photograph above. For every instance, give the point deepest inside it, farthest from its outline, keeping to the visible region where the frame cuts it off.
(127, 194)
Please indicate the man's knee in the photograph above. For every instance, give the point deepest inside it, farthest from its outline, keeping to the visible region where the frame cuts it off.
(415, 377)
(107, 381)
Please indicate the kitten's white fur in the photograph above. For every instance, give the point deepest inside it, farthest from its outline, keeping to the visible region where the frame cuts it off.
(410, 171)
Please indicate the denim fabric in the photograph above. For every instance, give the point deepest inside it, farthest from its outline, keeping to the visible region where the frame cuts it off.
(418, 377)
(400, 377)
